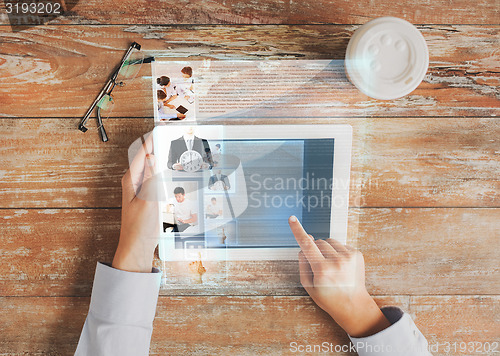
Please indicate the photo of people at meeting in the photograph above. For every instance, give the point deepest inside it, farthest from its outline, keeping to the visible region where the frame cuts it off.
(175, 95)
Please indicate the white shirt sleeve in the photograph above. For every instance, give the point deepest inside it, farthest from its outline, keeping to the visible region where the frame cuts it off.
(401, 338)
(121, 313)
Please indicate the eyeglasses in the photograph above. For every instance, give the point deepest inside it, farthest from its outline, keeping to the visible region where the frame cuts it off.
(127, 70)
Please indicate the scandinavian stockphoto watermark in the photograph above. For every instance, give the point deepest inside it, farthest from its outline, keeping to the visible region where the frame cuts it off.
(324, 347)
(479, 347)
(23, 14)
(280, 192)
(277, 192)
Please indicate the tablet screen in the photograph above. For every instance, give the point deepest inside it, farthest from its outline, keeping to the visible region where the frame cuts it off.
(239, 193)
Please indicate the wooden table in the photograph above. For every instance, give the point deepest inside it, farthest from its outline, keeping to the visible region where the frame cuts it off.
(426, 167)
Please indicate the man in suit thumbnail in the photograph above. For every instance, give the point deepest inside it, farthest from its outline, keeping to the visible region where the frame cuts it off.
(219, 181)
(185, 143)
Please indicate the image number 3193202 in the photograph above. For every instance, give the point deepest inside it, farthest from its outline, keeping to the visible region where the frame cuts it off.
(24, 14)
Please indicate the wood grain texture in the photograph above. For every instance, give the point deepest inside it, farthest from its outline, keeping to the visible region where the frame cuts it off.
(431, 251)
(58, 160)
(60, 69)
(183, 325)
(54, 253)
(43, 250)
(473, 321)
(431, 162)
(245, 325)
(273, 12)
(413, 162)
(425, 167)
(241, 325)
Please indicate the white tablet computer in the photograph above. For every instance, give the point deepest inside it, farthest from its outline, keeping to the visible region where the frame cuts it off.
(229, 190)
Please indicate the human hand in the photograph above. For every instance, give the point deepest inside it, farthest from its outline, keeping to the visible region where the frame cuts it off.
(334, 276)
(139, 228)
(181, 116)
(170, 106)
(177, 166)
(180, 220)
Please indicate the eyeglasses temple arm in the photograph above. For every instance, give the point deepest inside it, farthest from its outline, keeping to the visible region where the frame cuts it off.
(102, 131)
(81, 126)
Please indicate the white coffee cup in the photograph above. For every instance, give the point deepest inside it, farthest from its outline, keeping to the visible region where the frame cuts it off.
(386, 58)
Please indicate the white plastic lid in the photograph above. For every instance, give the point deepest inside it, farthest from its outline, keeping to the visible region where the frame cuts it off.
(386, 58)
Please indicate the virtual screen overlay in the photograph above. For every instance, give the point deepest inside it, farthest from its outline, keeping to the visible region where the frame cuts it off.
(239, 193)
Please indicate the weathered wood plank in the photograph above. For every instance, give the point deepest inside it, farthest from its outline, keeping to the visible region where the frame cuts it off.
(41, 326)
(188, 325)
(457, 325)
(60, 69)
(431, 251)
(246, 325)
(54, 253)
(242, 325)
(273, 11)
(430, 163)
(44, 249)
(395, 163)
(63, 167)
